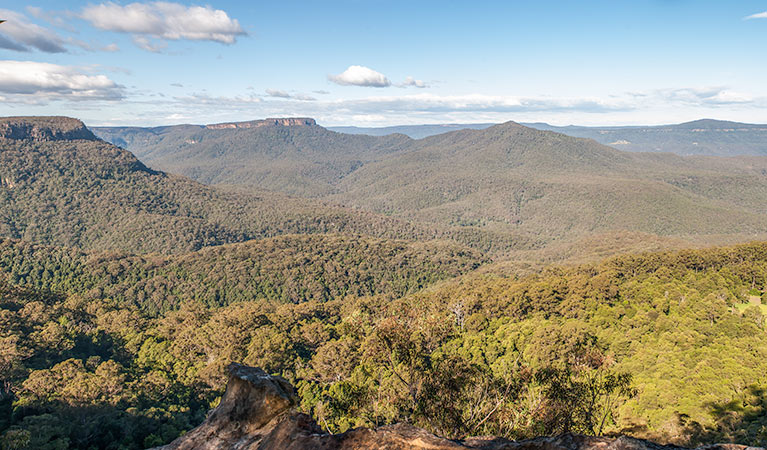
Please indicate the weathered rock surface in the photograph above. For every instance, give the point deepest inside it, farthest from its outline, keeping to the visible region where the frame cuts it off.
(258, 412)
(44, 128)
(285, 122)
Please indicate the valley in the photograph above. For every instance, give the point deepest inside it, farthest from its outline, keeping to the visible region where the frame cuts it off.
(526, 277)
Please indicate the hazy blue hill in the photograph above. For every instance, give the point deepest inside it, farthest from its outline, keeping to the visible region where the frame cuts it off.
(700, 137)
(414, 131)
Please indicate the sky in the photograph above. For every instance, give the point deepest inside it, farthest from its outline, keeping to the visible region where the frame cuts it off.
(382, 63)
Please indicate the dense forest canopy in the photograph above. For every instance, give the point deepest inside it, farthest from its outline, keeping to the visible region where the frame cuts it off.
(666, 345)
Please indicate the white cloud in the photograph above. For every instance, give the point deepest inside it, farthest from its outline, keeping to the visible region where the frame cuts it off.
(287, 95)
(144, 43)
(761, 15)
(18, 34)
(412, 82)
(277, 93)
(710, 96)
(39, 83)
(164, 21)
(360, 76)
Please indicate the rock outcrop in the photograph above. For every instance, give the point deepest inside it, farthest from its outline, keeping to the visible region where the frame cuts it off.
(285, 122)
(44, 129)
(258, 411)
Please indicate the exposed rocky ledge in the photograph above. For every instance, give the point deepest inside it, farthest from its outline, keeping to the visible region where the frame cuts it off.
(258, 411)
(284, 122)
(44, 129)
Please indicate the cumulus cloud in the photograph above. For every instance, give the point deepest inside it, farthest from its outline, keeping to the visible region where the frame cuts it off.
(164, 21)
(20, 35)
(412, 82)
(360, 76)
(761, 15)
(35, 82)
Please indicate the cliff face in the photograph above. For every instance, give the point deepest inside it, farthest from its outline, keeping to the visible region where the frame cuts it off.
(44, 129)
(258, 411)
(285, 122)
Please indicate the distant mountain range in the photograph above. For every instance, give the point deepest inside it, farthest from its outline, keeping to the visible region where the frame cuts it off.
(509, 178)
(700, 137)
(413, 131)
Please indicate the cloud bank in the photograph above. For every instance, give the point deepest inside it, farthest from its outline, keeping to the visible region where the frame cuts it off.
(164, 21)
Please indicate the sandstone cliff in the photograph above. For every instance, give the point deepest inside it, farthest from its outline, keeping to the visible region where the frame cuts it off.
(44, 129)
(258, 411)
(285, 122)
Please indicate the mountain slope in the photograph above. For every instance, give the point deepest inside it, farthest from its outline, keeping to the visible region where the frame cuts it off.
(551, 185)
(90, 194)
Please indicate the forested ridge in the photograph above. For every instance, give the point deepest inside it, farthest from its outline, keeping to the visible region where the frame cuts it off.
(284, 269)
(660, 345)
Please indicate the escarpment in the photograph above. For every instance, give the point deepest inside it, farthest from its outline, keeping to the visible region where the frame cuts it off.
(258, 411)
(283, 122)
(44, 129)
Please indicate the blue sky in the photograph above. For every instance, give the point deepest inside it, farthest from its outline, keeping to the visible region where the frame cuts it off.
(374, 63)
